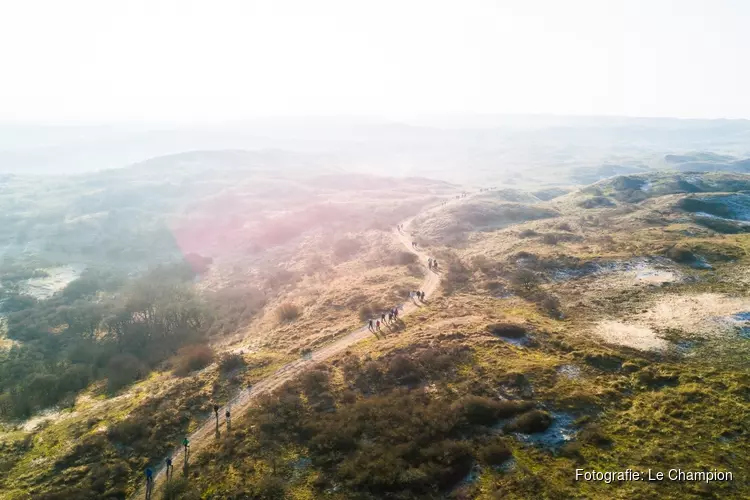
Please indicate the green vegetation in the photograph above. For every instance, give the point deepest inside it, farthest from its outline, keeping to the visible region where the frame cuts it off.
(92, 331)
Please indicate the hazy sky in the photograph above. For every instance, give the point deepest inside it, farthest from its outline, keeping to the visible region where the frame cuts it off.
(191, 60)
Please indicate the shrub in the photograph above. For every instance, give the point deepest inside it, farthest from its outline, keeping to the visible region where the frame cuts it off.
(495, 453)
(180, 489)
(122, 370)
(530, 422)
(402, 258)
(721, 226)
(593, 434)
(270, 488)
(550, 304)
(287, 313)
(191, 358)
(403, 370)
(524, 279)
(710, 207)
(457, 277)
(230, 362)
(370, 311)
(482, 263)
(527, 233)
(508, 330)
(478, 410)
(315, 382)
(596, 202)
(681, 255)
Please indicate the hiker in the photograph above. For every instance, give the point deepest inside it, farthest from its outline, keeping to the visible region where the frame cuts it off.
(186, 444)
(429, 263)
(421, 295)
(369, 325)
(229, 422)
(168, 461)
(434, 265)
(382, 317)
(390, 316)
(149, 482)
(216, 412)
(395, 312)
(377, 324)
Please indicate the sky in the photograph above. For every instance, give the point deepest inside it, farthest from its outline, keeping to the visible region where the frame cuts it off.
(105, 60)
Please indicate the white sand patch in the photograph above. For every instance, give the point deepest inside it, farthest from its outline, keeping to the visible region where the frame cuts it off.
(652, 275)
(47, 415)
(629, 335)
(705, 313)
(44, 288)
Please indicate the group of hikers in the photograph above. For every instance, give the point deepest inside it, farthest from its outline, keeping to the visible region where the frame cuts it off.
(385, 319)
(169, 468)
(432, 264)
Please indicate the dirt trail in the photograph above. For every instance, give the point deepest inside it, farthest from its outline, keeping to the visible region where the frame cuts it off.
(240, 404)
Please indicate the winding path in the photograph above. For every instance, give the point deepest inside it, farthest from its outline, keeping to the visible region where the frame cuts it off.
(244, 399)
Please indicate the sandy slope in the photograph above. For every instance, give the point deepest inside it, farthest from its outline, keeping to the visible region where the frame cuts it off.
(206, 433)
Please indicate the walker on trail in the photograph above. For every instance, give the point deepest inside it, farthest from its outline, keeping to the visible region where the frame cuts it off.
(369, 325)
(149, 482)
(382, 318)
(169, 467)
(186, 444)
(229, 421)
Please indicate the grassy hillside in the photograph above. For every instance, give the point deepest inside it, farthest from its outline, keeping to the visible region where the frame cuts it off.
(601, 329)
(619, 345)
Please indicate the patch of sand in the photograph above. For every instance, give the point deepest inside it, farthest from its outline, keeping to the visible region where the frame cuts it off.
(629, 335)
(700, 314)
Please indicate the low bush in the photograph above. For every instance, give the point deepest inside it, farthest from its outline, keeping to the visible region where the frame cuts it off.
(524, 280)
(550, 305)
(122, 370)
(681, 255)
(508, 330)
(191, 358)
(527, 233)
(287, 312)
(530, 422)
(369, 311)
(230, 362)
(478, 410)
(722, 226)
(495, 453)
(709, 207)
(596, 202)
(402, 258)
(180, 489)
